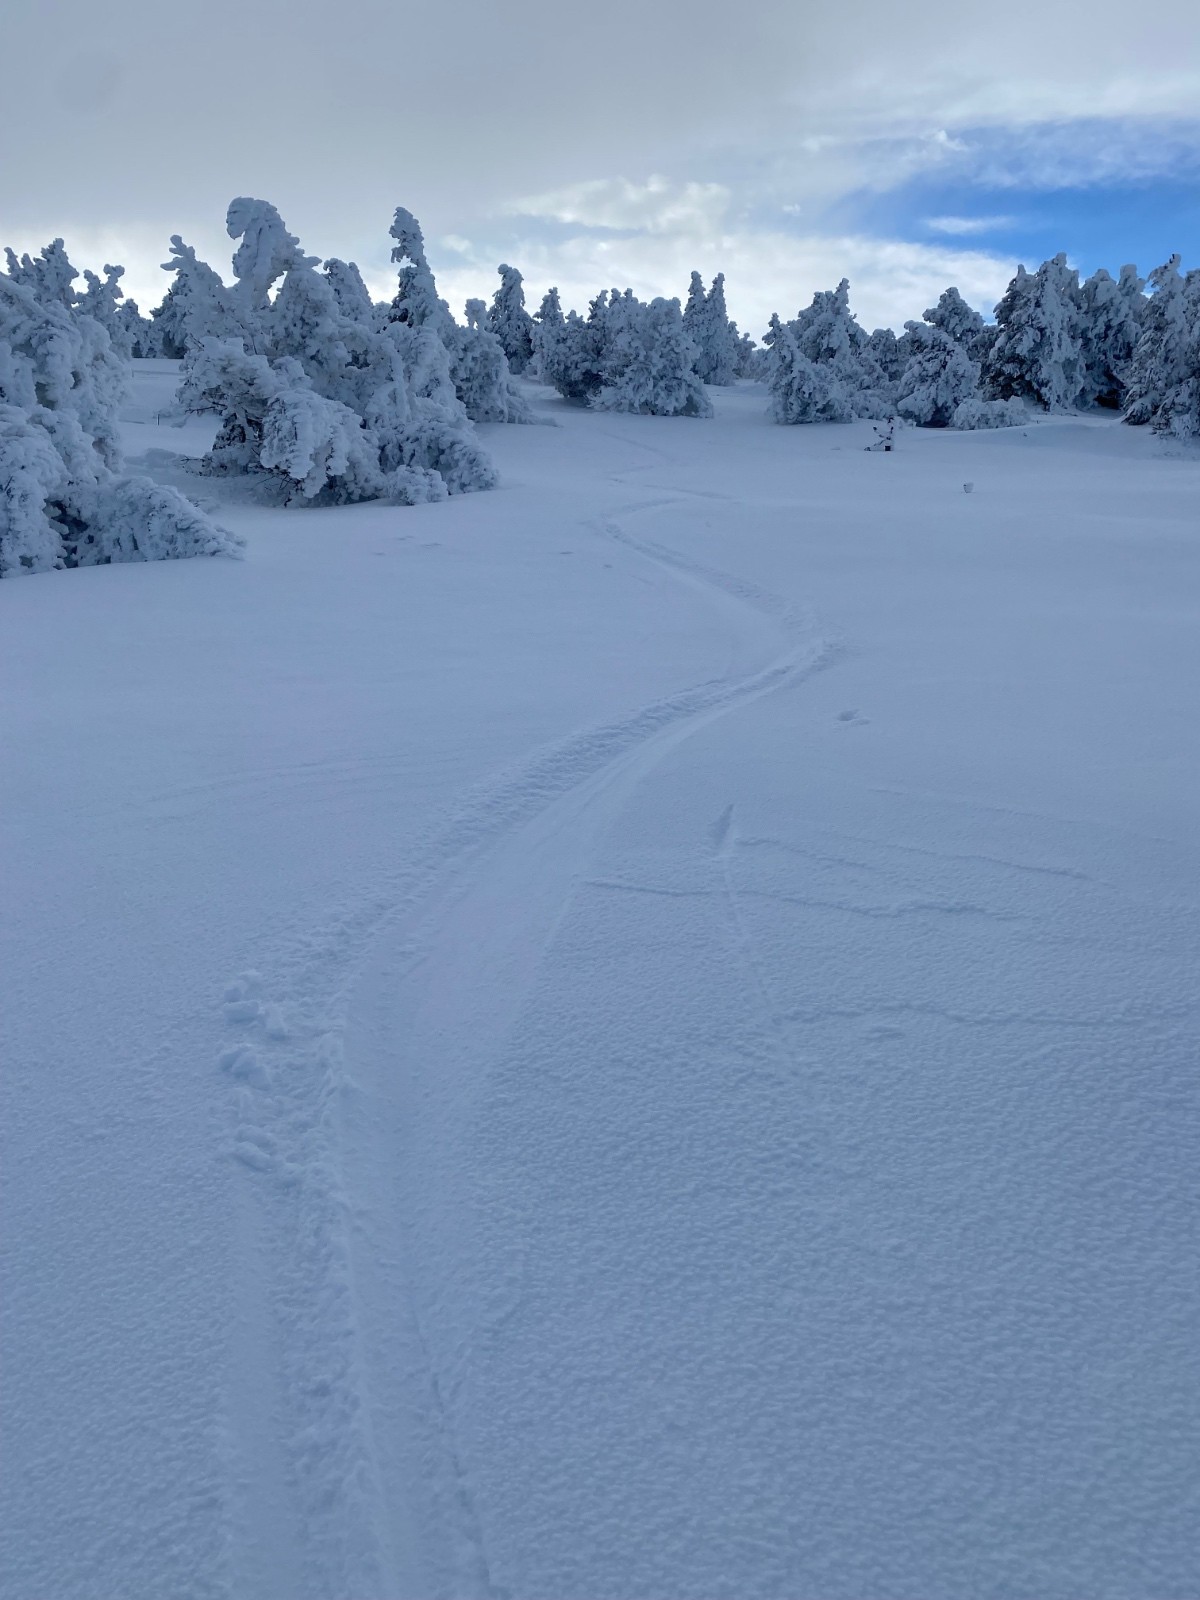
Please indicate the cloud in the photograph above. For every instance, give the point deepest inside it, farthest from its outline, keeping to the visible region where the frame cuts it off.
(683, 123)
(962, 226)
(655, 205)
(650, 237)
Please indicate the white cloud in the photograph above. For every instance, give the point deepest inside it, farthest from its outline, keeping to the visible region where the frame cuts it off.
(958, 227)
(654, 206)
(665, 232)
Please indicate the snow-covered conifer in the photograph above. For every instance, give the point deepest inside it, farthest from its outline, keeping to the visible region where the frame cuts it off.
(1110, 324)
(887, 352)
(509, 320)
(802, 390)
(197, 305)
(346, 282)
(1036, 353)
(63, 499)
(275, 426)
(713, 335)
(416, 301)
(1164, 373)
(825, 335)
(548, 316)
(693, 309)
(482, 388)
(101, 301)
(955, 317)
(572, 354)
(476, 312)
(267, 250)
(49, 275)
(650, 364)
(937, 377)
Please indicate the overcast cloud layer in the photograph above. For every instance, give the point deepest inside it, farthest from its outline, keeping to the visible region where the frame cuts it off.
(620, 144)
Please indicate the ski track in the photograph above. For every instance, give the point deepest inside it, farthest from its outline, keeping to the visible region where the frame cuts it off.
(430, 928)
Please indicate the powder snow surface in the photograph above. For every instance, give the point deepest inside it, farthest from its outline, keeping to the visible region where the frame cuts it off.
(630, 1036)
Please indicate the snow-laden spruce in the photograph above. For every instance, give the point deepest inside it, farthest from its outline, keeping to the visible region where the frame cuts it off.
(717, 342)
(802, 390)
(64, 499)
(322, 400)
(479, 371)
(624, 356)
(959, 321)
(1164, 371)
(650, 366)
(822, 367)
(1110, 325)
(938, 377)
(509, 320)
(1036, 354)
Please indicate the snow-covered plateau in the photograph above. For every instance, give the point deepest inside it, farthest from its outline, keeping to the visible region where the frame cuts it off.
(631, 1037)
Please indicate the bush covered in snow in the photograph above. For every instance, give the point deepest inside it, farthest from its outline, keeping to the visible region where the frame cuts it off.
(978, 413)
(64, 500)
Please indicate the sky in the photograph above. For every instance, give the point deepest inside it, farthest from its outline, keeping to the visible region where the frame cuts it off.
(905, 146)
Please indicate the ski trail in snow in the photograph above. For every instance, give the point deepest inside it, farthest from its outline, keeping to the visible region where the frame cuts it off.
(446, 948)
(724, 842)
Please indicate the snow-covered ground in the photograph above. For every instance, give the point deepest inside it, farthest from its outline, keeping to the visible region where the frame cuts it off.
(630, 1036)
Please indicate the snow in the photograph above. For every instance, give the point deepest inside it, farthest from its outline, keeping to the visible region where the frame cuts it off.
(632, 1035)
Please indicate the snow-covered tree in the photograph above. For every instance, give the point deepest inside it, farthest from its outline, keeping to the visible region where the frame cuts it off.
(1036, 354)
(938, 376)
(955, 317)
(572, 355)
(1110, 323)
(509, 320)
(547, 319)
(197, 305)
(650, 364)
(142, 335)
(267, 250)
(802, 390)
(1164, 373)
(715, 338)
(482, 379)
(850, 380)
(49, 274)
(693, 309)
(101, 301)
(749, 364)
(416, 301)
(483, 387)
(346, 282)
(476, 312)
(64, 501)
(887, 352)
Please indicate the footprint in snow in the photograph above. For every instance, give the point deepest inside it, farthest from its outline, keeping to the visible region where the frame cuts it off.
(853, 719)
(243, 1063)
